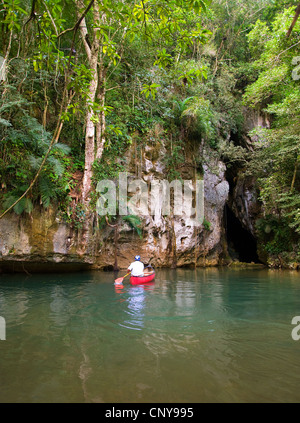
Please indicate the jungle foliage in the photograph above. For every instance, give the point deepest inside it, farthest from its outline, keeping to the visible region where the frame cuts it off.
(182, 74)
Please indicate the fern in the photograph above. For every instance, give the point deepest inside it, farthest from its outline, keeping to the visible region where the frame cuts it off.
(61, 148)
(11, 104)
(24, 143)
(5, 122)
(290, 206)
(40, 138)
(47, 191)
(57, 166)
(35, 162)
(135, 223)
(24, 205)
(198, 117)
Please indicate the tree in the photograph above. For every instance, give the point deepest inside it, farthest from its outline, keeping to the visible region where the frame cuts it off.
(104, 36)
(15, 24)
(275, 160)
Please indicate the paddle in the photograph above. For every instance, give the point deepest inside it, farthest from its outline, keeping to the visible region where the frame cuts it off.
(119, 281)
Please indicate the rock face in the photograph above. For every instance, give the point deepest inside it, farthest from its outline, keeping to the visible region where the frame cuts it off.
(42, 241)
(253, 119)
(244, 202)
(216, 196)
(173, 240)
(38, 241)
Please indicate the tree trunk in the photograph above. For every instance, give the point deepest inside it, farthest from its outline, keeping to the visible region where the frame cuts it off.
(91, 42)
(4, 63)
(90, 135)
(101, 124)
(92, 48)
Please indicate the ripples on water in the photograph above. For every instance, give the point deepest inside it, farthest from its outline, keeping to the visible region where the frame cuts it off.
(192, 336)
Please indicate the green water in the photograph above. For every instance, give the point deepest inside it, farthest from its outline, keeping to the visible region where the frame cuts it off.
(191, 337)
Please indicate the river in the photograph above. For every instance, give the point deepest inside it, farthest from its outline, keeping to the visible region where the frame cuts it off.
(193, 336)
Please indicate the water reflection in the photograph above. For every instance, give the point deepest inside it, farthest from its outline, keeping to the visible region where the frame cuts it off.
(14, 307)
(136, 304)
(193, 336)
(60, 306)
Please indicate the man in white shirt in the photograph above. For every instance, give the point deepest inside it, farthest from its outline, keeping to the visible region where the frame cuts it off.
(137, 267)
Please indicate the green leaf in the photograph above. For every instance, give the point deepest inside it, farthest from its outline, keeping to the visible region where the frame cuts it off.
(35, 66)
(58, 167)
(62, 148)
(5, 122)
(135, 222)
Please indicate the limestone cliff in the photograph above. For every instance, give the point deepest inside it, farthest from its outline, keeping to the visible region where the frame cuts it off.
(42, 241)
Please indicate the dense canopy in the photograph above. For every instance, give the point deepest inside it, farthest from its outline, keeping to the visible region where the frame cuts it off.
(82, 82)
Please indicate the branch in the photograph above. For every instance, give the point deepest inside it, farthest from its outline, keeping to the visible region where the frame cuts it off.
(109, 224)
(295, 175)
(113, 88)
(32, 13)
(294, 21)
(76, 26)
(294, 45)
(85, 40)
(50, 16)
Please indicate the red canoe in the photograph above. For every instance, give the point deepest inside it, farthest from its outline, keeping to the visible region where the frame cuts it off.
(138, 280)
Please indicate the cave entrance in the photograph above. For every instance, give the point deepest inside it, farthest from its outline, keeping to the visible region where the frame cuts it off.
(242, 246)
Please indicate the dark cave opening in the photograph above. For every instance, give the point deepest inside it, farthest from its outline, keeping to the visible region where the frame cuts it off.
(242, 246)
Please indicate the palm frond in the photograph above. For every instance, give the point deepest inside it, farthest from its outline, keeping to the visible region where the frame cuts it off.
(23, 205)
(135, 223)
(47, 191)
(62, 148)
(58, 167)
(35, 162)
